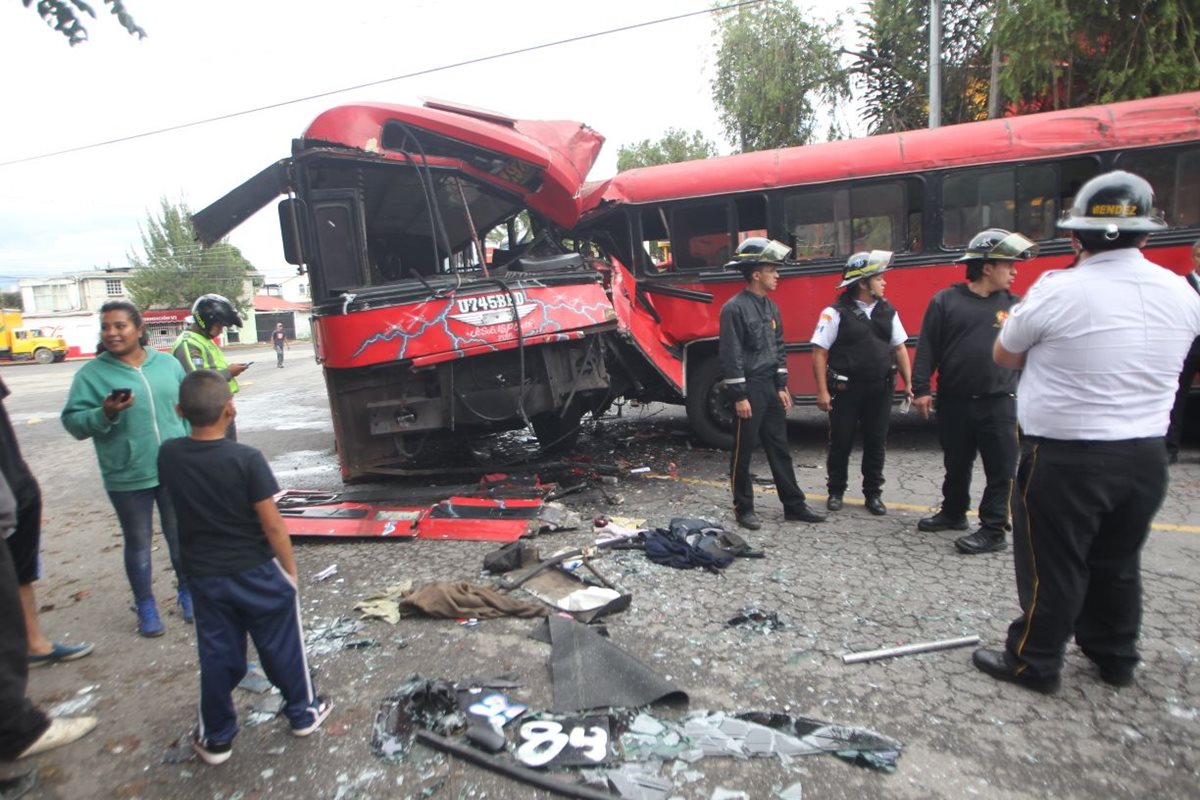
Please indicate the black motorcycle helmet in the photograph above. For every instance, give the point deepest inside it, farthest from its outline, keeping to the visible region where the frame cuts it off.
(1114, 203)
(213, 309)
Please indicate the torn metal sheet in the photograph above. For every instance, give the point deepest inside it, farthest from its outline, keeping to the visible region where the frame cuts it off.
(465, 518)
(591, 672)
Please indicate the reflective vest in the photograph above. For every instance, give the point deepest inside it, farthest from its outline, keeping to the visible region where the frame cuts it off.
(210, 356)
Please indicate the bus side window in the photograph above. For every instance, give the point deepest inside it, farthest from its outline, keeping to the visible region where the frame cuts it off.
(1176, 199)
(974, 200)
(656, 241)
(816, 222)
(1187, 209)
(700, 237)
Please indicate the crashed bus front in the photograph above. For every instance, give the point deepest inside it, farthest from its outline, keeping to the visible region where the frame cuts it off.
(427, 332)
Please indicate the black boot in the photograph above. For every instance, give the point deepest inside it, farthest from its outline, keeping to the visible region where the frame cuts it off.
(984, 540)
(941, 521)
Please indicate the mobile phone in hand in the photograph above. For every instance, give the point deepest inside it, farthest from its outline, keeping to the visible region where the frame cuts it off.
(119, 395)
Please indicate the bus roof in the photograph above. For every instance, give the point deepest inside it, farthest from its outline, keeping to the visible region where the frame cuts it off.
(1134, 123)
(563, 151)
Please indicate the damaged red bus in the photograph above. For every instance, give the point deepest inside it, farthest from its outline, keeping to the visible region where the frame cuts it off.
(667, 230)
(465, 280)
(391, 210)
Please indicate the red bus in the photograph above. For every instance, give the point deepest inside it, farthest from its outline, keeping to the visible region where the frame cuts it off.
(922, 194)
(466, 280)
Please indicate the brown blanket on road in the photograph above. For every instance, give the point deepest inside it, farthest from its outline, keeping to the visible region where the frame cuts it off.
(453, 600)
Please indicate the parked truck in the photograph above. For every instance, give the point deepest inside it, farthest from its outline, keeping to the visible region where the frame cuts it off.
(20, 344)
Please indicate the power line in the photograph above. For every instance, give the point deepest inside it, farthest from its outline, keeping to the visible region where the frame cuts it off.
(429, 71)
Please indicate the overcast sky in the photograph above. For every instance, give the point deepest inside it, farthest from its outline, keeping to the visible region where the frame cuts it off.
(205, 59)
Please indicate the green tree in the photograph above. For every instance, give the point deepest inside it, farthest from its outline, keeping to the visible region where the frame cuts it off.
(893, 65)
(673, 147)
(175, 269)
(63, 16)
(11, 300)
(1059, 54)
(774, 68)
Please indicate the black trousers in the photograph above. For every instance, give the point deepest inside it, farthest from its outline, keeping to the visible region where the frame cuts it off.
(767, 424)
(1191, 365)
(20, 722)
(1081, 513)
(986, 426)
(866, 407)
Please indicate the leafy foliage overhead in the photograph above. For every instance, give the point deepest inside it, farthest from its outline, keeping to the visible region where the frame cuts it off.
(1060, 54)
(893, 65)
(1051, 54)
(773, 68)
(673, 147)
(63, 16)
(175, 269)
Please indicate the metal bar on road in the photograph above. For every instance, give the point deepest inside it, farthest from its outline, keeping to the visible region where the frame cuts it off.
(909, 649)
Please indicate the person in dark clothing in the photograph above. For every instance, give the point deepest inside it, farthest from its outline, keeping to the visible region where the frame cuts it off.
(1191, 365)
(279, 341)
(239, 565)
(25, 544)
(754, 368)
(858, 345)
(976, 398)
(24, 729)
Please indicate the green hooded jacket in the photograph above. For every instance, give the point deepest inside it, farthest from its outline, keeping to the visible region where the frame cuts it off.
(127, 447)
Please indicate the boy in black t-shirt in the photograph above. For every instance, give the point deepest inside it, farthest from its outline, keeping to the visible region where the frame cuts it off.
(238, 561)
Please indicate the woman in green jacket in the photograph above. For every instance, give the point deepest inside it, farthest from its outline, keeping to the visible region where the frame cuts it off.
(124, 401)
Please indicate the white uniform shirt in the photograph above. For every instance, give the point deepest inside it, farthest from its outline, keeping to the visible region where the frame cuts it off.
(1105, 341)
(831, 319)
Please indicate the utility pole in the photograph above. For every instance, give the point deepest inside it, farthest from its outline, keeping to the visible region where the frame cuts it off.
(935, 63)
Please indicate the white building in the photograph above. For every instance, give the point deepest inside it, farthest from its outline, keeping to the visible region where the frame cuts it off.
(68, 306)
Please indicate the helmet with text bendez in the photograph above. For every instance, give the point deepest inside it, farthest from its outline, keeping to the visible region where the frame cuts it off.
(997, 244)
(1114, 203)
(757, 251)
(865, 264)
(213, 309)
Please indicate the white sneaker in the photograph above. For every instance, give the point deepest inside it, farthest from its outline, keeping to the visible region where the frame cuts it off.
(319, 711)
(62, 730)
(212, 752)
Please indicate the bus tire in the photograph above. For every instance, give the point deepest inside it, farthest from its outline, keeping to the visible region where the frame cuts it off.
(557, 432)
(43, 355)
(709, 411)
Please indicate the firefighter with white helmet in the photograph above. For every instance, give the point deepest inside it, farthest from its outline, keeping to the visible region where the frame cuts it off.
(858, 345)
(1094, 400)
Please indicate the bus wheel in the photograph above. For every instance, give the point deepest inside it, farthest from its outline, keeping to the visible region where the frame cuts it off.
(43, 355)
(708, 408)
(555, 431)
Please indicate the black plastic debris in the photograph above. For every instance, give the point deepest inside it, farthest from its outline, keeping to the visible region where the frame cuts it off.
(565, 742)
(590, 672)
(756, 619)
(418, 704)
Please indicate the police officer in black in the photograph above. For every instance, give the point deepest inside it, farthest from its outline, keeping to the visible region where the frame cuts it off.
(976, 398)
(858, 344)
(754, 367)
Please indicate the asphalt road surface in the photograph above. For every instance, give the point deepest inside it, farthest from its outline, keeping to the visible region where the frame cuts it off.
(856, 582)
